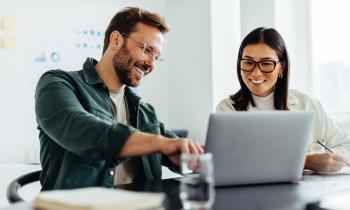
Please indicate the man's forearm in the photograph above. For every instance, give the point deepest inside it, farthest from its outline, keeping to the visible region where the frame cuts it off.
(140, 143)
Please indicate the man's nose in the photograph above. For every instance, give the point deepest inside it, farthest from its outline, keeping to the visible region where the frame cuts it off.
(152, 60)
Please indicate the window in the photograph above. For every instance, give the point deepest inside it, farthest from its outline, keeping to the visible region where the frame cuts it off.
(330, 35)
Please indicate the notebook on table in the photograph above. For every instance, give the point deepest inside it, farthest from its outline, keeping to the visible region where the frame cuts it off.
(97, 198)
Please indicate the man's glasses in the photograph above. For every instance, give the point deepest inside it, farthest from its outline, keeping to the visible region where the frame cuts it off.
(265, 66)
(147, 49)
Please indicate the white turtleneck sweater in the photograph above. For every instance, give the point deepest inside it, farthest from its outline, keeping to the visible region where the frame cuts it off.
(262, 103)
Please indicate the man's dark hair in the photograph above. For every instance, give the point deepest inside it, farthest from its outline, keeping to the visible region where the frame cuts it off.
(126, 19)
(273, 39)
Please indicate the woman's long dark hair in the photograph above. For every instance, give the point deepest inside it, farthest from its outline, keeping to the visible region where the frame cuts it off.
(273, 39)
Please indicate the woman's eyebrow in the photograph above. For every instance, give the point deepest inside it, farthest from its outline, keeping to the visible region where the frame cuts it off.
(264, 58)
(267, 58)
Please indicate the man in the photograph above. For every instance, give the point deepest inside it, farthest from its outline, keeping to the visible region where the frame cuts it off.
(94, 130)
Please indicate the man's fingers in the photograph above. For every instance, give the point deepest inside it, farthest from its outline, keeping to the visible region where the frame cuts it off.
(193, 146)
(199, 147)
(182, 146)
(185, 147)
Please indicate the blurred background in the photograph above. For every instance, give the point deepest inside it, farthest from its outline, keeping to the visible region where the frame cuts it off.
(200, 56)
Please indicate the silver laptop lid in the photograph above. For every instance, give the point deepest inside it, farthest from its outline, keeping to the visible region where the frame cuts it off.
(259, 147)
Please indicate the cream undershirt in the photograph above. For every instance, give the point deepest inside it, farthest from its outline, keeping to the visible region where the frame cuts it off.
(126, 171)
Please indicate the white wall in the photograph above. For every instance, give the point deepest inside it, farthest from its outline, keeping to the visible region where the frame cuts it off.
(189, 66)
(256, 13)
(292, 20)
(226, 37)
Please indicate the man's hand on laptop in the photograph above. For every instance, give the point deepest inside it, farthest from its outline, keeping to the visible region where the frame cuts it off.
(140, 143)
(174, 147)
(324, 162)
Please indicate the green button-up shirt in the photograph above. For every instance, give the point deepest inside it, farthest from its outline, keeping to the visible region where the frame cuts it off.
(79, 137)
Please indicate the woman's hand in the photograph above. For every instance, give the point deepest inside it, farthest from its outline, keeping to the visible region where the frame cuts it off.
(324, 162)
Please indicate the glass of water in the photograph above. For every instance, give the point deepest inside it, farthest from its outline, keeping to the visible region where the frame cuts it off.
(197, 184)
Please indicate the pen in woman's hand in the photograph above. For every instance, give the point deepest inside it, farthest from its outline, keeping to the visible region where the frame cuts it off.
(329, 150)
(324, 146)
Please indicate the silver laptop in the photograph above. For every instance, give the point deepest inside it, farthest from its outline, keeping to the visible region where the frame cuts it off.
(259, 147)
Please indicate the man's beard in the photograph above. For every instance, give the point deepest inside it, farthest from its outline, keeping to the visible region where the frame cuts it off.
(123, 64)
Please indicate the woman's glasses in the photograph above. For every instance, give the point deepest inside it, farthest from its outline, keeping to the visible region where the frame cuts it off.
(265, 66)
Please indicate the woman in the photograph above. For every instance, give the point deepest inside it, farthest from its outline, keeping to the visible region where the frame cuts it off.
(263, 73)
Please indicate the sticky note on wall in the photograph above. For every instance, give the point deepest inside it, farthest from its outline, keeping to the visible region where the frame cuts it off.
(9, 23)
(9, 41)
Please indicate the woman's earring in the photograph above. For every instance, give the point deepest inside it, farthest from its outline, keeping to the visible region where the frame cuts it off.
(280, 76)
